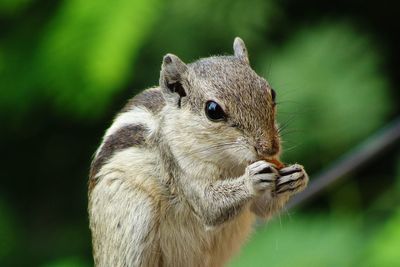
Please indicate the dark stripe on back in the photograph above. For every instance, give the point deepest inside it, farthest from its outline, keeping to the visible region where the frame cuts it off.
(152, 99)
(127, 136)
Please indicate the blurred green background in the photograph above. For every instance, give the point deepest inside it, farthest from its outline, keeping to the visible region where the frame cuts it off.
(66, 67)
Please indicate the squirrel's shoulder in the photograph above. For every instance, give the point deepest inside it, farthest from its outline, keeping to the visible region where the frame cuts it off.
(151, 99)
(130, 128)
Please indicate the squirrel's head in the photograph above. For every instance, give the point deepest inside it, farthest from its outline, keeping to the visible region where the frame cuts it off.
(220, 110)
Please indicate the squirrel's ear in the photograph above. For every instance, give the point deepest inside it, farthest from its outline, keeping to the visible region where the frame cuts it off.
(240, 50)
(173, 71)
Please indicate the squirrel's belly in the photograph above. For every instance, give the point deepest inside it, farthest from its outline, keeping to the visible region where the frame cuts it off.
(186, 242)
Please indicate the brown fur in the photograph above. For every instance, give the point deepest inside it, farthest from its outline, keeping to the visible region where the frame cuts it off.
(128, 136)
(152, 99)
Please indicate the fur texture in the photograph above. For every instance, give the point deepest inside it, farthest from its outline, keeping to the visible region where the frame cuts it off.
(170, 187)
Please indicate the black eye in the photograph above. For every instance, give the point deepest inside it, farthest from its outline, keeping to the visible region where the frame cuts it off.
(214, 111)
(273, 94)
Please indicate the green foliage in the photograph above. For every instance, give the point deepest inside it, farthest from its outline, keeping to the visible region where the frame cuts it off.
(68, 262)
(193, 29)
(10, 7)
(82, 58)
(88, 50)
(9, 231)
(383, 249)
(303, 241)
(331, 90)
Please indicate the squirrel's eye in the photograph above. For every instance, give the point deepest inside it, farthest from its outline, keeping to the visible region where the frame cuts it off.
(273, 94)
(214, 111)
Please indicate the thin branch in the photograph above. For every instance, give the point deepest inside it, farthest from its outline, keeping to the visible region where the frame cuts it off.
(356, 158)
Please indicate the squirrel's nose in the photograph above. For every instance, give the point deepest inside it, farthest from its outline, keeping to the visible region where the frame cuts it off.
(267, 148)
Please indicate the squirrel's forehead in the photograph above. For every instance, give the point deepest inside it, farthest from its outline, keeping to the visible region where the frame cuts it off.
(234, 85)
(229, 78)
(243, 87)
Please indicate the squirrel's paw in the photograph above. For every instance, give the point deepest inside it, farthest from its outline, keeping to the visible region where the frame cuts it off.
(292, 180)
(260, 177)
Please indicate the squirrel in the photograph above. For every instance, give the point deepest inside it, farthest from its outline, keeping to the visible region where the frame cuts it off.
(187, 166)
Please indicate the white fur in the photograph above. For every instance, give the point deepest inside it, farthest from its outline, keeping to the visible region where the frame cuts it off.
(137, 115)
(119, 199)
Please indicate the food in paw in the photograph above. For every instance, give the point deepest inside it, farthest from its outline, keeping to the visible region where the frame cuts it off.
(278, 164)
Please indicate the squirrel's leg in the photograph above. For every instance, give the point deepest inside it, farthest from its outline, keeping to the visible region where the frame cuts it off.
(218, 201)
(123, 219)
(292, 180)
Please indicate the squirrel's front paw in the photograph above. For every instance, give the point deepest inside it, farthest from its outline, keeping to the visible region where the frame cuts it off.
(260, 177)
(292, 180)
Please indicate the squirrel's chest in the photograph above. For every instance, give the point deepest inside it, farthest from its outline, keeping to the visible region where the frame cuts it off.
(186, 239)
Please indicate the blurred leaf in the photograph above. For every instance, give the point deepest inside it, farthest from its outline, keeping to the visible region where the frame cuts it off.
(301, 241)
(345, 200)
(82, 59)
(383, 250)
(194, 28)
(8, 232)
(89, 48)
(68, 262)
(10, 7)
(331, 91)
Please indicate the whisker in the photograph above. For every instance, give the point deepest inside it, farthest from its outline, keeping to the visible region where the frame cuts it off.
(286, 133)
(292, 147)
(285, 124)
